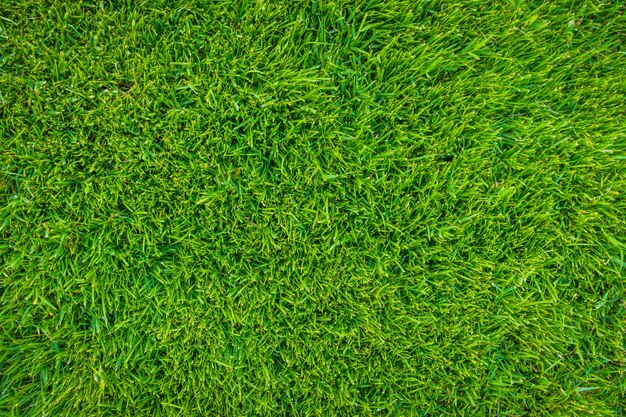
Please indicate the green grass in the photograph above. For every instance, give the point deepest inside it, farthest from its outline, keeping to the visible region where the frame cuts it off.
(303, 208)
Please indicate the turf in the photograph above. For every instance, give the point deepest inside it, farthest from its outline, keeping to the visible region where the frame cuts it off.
(303, 208)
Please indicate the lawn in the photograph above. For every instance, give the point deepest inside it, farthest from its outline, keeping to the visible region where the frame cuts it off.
(312, 208)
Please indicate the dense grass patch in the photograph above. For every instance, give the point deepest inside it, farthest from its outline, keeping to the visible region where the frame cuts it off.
(355, 208)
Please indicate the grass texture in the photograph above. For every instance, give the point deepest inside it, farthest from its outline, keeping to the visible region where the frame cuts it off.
(312, 208)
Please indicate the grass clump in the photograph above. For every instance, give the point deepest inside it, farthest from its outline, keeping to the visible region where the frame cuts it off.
(394, 208)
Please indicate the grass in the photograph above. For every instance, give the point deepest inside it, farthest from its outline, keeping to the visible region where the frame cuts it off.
(301, 208)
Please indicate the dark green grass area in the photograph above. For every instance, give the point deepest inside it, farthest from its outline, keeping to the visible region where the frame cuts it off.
(312, 208)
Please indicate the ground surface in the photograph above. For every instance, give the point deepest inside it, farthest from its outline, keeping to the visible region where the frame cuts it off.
(355, 208)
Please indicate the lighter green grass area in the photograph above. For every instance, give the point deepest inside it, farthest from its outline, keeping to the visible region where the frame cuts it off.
(312, 208)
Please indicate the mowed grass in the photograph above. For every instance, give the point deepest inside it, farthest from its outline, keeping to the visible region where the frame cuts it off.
(312, 208)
